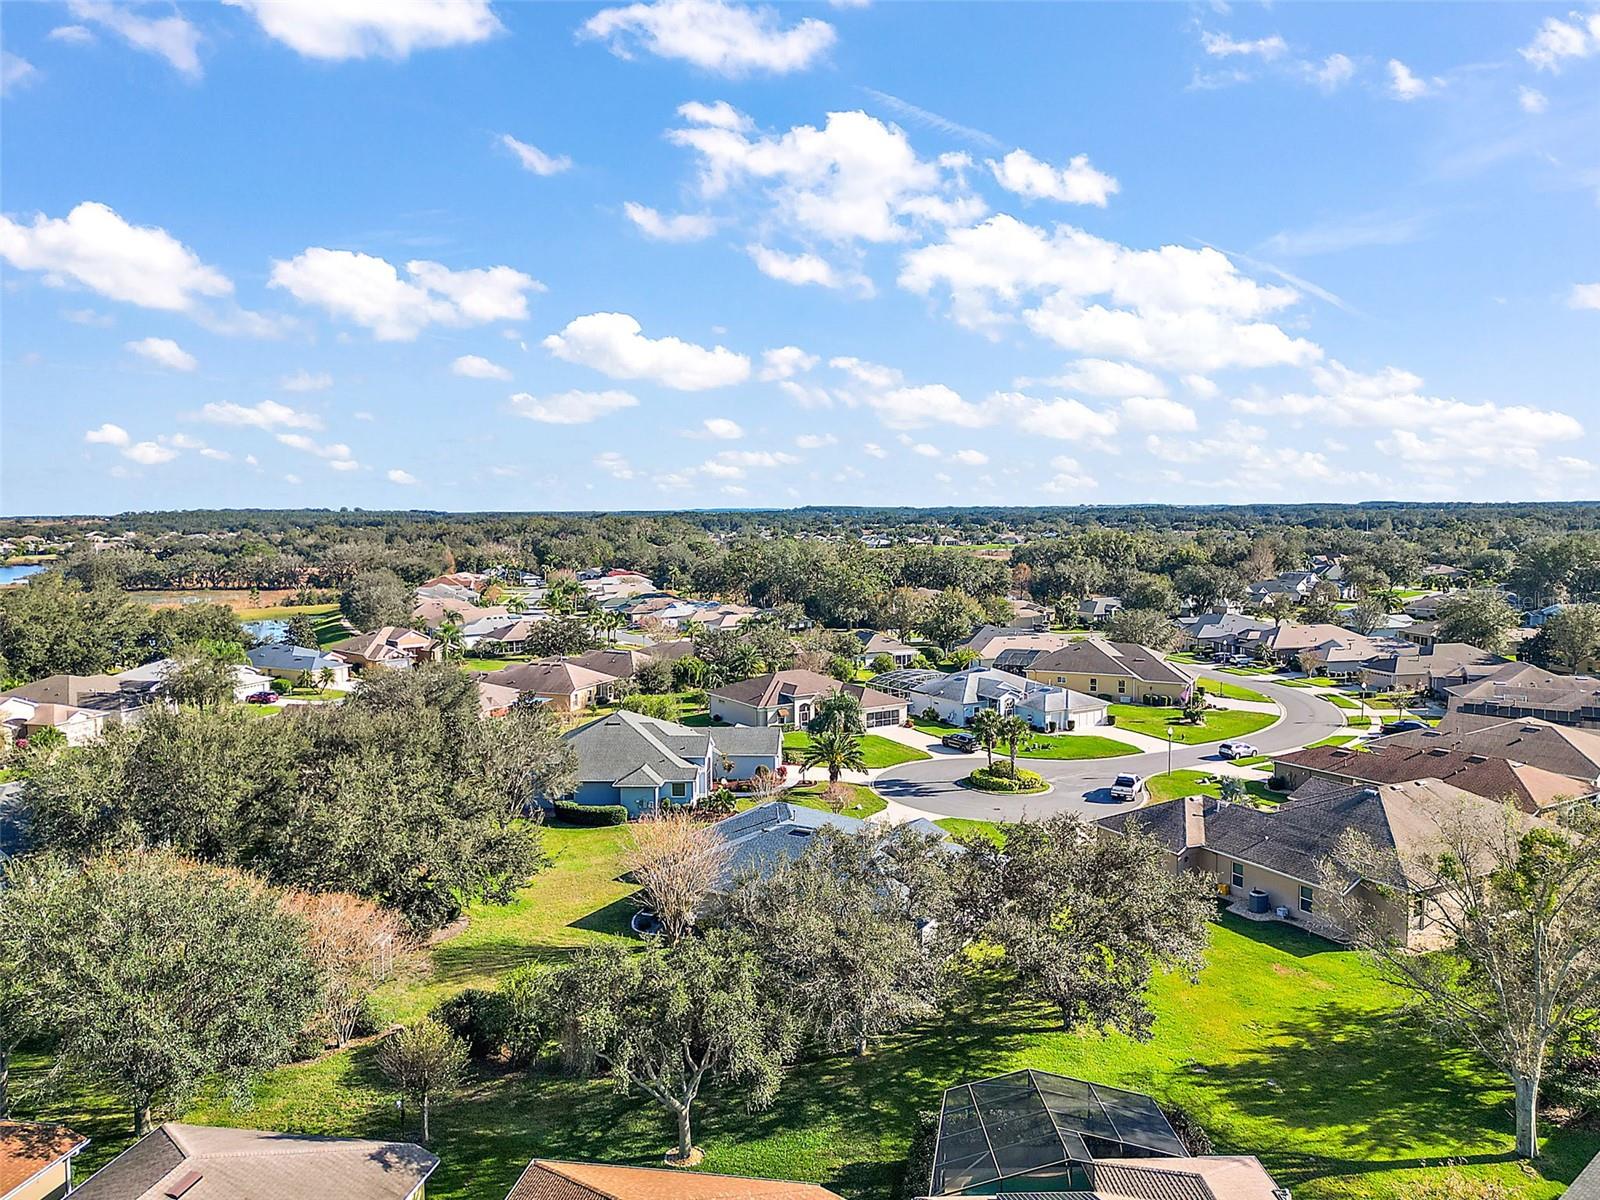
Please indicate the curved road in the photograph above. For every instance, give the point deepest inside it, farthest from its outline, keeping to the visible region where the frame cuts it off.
(1082, 786)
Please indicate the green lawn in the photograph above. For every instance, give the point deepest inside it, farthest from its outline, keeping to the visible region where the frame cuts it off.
(1342, 701)
(1287, 1048)
(1171, 786)
(1248, 670)
(878, 751)
(935, 728)
(1077, 745)
(1219, 724)
(961, 827)
(283, 612)
(866, 802)
(1232, 691)
(1312, 681)
(1338, 739)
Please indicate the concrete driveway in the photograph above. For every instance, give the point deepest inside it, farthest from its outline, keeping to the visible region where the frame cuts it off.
(1082, 786)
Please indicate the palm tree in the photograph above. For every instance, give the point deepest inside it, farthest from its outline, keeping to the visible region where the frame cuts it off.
(986, 728)
(609, 622)
(449, 636)
(837, 749)
(564, 595)
(1012, 730)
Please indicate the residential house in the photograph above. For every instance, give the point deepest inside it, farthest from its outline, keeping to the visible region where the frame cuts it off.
(1027, 614)
(623, 662)
(1345, 657)
(1296, 585)
(1426, 607)
(1444, 573)
(1532, 789)
(551, 1179)
(1559, 749)
(1539, 617)
(1288, 640)
(956, 698)
(302, 665)
(500, 635)
(36, 1160)
(1220, 634)
(1423, 633)
(391, 647)
(151, 678)
(472, 581)
(1429, 668)
(561, 685)
(203, 1162)
(992, 640)
(495, 699)
(875, 642)
(643, 763)
(434, 613)
(789, 699)
(1097, 610)
(1519, 690)
(1285, 855)
(1036, 1133)
(1119, 671)
(762, 837)
(80, 706)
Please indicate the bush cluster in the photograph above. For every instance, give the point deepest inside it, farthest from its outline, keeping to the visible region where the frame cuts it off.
(591, 814)
(1001, 778)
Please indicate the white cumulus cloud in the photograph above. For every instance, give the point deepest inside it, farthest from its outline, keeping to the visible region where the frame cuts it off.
(164, 352)
(1221, 45)
(305, 381)
(474, 366)
(370, 292)
(1557, 41)
(344, 29)
(93, 246)
(729, 39)
(268, 414)
(534, 159)
(570, 408)
(614, 344)
(1584, 295)
(396, 475)
(1076, 183)
(108, 435)
(723, 427)
(680, 227)
(167, 35)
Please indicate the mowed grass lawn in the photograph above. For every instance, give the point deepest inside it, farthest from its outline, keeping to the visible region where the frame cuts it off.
(864, 801)
(1043, 745)
(1172, 785)
(1219, 724)
(1233, 691)
(878, 751)
(1286, 1048)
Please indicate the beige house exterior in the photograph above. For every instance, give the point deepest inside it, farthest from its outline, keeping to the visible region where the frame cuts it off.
(1116, 671)
(36, 1160)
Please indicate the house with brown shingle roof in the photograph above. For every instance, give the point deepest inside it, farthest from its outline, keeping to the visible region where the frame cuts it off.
(564, 686)
(36, 1160)
(1557, 748)
(1111, 670)
(204, 1162)
(1533, 789)
(391, 647)
(789, 699)
(548, 1179)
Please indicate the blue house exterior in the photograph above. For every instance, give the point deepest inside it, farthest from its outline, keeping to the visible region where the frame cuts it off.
(644, 764)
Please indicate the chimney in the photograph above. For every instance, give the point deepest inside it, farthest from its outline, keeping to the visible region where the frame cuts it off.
(1194, 822)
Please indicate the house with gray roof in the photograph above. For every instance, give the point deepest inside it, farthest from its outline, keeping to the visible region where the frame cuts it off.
(298, 663)
(1121, 671)
(643, 763)
(958, 697)
(991, 640)
(1519, 689)
(203, 1162)
(875, 642)
(1223, 632)
(762, 837)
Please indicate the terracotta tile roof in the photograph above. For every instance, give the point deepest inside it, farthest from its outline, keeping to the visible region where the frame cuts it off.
(546, 1179)
(26, 1148)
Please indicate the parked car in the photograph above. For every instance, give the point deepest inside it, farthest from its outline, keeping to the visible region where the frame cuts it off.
(1242, 660)
(1129, 787)
(1405, 726)
(262, 698)
(1231, 750)
(963, 742)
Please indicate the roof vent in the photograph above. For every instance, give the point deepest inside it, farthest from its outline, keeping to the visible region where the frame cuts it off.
(1438, 751)
(182, 1184)
(1477, 758)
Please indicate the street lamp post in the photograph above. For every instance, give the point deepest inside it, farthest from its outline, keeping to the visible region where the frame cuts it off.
(1169, 749)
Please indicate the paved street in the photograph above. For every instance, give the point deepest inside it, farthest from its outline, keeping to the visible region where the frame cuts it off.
(1081, 786)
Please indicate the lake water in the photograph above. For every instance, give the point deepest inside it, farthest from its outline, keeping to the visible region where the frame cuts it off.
(18, 574)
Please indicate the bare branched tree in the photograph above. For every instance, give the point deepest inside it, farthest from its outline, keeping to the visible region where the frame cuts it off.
(677, 862)
(1512, 904)
(356, 947)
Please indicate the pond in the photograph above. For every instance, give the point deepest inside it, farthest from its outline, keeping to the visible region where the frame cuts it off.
(18, 574)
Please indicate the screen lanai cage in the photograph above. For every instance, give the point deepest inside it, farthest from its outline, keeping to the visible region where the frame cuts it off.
(1032, 1131)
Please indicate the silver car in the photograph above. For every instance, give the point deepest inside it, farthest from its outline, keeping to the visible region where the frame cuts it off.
(1129, 787)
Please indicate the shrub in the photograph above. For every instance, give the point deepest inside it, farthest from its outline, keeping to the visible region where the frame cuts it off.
(479, 1017)
(1194, 1138)
(591, 814)
(999, 778)
(720, 803)
(281, 686)
(917, 1174)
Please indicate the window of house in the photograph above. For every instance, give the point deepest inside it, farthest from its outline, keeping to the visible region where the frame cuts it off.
(1238, 875)
(1094, 685)
(680, 790)
(1307, 903)
(1122, 686)
(1419, 911)
(1061, 679)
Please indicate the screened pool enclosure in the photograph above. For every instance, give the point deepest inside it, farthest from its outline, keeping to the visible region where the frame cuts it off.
(1031, 1131)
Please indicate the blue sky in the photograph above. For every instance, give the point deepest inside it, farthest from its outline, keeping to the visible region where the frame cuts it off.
(693, 254)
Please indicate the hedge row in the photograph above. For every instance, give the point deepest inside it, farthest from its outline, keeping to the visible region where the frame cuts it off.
(999, 778)
(591, 814)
